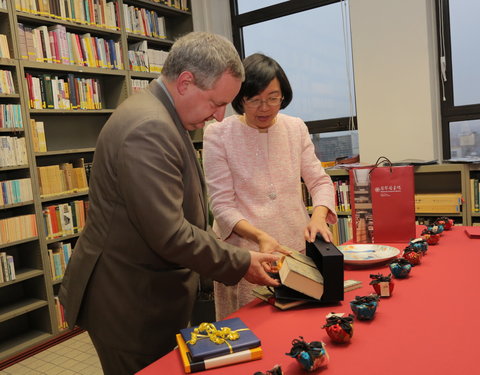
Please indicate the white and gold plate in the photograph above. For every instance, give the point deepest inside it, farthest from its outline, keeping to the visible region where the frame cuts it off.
(362, 254)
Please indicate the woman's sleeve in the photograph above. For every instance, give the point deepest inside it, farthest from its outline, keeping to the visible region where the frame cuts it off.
(318, 182)
(219, 180)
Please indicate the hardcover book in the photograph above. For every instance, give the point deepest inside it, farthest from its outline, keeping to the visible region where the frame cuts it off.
(472, 232)
(298, 272)
(191, 365)
(204, 348)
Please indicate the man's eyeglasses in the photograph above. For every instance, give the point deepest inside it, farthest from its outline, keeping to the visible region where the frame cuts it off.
(255, 103)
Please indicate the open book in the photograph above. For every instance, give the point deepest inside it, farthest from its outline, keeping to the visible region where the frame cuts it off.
(299, 272)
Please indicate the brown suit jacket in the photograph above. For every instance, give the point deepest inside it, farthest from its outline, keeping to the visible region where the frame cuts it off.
(133, 274)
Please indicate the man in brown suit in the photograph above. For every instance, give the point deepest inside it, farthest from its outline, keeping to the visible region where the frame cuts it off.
(132, 278)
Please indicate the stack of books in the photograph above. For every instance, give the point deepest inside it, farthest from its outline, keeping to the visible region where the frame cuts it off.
(203, 354)
(285, 298)
(438, 203)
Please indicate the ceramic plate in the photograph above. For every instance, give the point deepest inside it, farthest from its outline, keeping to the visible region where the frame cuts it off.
(362, 254)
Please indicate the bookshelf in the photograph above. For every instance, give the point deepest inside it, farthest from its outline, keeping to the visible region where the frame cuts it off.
(70, 124)
(435, 179)
(474, 193)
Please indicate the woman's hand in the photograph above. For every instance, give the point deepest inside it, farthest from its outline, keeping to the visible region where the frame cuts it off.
(268, 244)
(318, 224)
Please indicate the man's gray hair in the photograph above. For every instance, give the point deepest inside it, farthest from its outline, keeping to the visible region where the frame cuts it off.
(207, 56)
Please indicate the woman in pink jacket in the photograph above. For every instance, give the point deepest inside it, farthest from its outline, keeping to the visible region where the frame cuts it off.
(254, 163)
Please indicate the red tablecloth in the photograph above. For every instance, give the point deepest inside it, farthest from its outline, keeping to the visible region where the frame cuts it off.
(429, 325)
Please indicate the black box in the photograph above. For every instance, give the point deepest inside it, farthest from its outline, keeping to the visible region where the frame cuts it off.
(329, 261)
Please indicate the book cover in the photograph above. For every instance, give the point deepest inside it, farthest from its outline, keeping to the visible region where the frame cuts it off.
(301, 276)
(267, 295)
(195, 366)
(473, 232)
(205, 348)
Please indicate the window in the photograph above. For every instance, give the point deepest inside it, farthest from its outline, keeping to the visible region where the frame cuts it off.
(311, 41)
(249, 5)
(459, 38)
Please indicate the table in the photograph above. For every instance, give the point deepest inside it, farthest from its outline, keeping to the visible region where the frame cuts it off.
(429, 325)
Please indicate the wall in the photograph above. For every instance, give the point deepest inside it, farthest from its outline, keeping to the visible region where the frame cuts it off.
(395, 67)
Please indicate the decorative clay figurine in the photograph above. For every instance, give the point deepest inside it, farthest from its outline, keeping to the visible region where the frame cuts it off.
(310, 355)
(339, 328)
(383, 285)
(364, 307)
(413, 255)
(400, 268)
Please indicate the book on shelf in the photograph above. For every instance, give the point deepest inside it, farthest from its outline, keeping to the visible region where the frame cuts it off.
(4, 50)
(7, 267)
(438, 203)
(11, 116)
(6, 82)
(15, 191)
(190, 365)
(299, 272)
(204, 348)
(38, 136)
(99, 13)
(475, 194)
(17, 228)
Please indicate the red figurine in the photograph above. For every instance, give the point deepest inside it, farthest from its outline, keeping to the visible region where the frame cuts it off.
(446, 222)
(430, 237)
(414, 256)
(339, 328)
(383, 285)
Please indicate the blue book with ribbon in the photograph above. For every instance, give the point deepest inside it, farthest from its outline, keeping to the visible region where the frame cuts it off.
(210, 340)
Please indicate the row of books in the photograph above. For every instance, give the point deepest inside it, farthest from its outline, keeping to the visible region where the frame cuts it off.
(144, 59)
(11, 116)
(342, 195)
(342, 231)
(100, 13)
(307, 198)
(64, 219)
(13, 151)
(63, 178)
(4, 50)
(438, 203)
(54, 44)
(6, 82)
(17, 228)
(59, 254)
(38, 136)
(7, 267)
(144, 22)
(139, 84)
(61, 322)
(179, 4)
(63, 92)
(15, 191)
(475, 194)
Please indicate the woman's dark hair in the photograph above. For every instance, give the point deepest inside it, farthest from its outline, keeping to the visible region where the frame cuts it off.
(260, 70)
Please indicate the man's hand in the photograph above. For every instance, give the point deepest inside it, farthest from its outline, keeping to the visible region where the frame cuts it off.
(259, 263)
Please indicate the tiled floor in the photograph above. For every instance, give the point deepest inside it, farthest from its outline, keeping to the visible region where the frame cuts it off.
(75, 356)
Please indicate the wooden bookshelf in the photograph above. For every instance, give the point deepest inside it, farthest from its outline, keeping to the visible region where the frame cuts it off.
(437, 178)
(28, 314)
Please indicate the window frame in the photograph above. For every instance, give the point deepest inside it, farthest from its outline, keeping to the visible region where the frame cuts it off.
(276, 11)
(449, 112)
